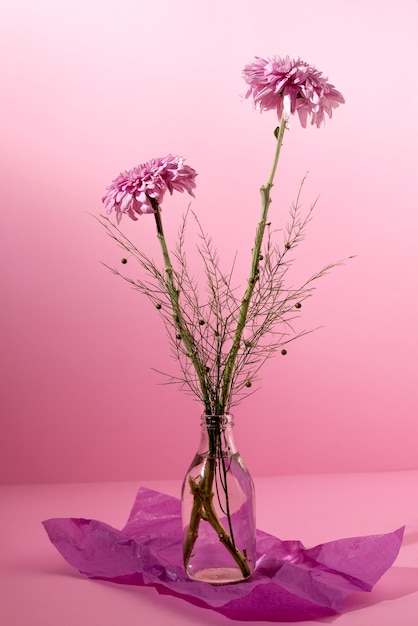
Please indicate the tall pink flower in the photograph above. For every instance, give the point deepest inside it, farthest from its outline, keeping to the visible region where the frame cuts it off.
(291, 85)
(132, 190)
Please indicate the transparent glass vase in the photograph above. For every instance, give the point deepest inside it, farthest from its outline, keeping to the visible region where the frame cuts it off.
(218, 508)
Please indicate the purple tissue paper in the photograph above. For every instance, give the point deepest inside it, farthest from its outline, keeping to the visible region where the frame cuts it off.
(290, 582)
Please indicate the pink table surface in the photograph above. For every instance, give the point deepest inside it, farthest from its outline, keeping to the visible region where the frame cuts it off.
(38, 588)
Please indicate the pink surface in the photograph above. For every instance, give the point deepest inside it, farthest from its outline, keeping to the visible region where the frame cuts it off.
(39, 589)
(90, 88)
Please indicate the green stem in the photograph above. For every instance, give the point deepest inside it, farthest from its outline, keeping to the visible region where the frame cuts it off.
(179, 322)
(254, 273)
(203, 491)
(202, 488)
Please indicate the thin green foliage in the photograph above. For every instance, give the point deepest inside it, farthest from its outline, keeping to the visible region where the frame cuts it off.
(209, 319)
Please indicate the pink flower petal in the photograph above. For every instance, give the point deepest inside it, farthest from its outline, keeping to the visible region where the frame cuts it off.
(271, 80)
(130, 191)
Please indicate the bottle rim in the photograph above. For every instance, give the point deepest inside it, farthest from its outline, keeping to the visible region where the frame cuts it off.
(216, 421)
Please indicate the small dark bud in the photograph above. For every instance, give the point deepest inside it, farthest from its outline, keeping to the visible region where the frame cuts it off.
(248, 383)
(298, 305)
(248, 344)
(207, 369)
(276, 131)
(260, 257)
(284, 352)
(178, 337)
(124, 261)
(201, 322)
(287, 246)
(158, 306)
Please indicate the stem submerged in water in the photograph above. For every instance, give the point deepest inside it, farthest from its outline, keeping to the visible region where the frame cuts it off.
(202, 489)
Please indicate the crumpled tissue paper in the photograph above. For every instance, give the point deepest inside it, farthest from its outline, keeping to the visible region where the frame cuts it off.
(290, 582)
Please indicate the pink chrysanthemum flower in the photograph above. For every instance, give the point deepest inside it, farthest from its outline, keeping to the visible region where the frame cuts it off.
(291, 85)
(132, 190)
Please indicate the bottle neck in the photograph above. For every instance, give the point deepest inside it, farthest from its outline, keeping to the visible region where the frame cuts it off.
(217, 435)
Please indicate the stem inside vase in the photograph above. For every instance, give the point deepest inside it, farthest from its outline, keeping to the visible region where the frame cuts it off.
(218, 508)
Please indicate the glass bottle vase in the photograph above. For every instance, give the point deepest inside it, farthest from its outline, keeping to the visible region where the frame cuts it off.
(218, 508)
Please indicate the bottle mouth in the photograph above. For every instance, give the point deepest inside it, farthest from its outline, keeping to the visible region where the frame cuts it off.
(216, 421)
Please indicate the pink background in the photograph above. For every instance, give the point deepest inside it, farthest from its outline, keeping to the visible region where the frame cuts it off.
(95, 86)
